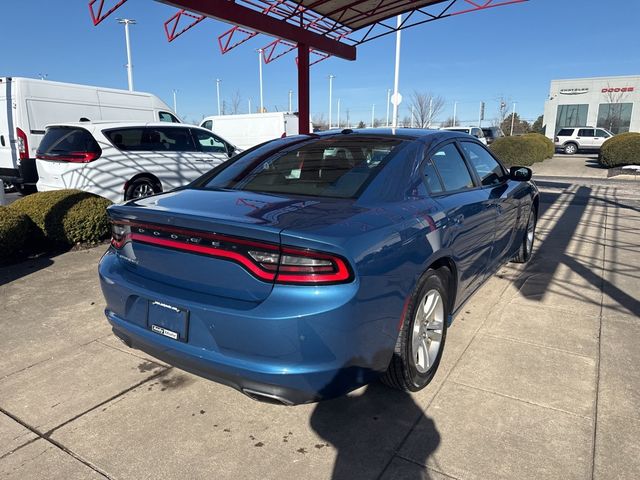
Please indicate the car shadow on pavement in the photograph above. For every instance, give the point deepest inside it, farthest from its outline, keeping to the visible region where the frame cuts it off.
(368, 427)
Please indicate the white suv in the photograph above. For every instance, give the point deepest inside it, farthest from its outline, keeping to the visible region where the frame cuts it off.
(121, 161)
(473, 131)
(570, 140)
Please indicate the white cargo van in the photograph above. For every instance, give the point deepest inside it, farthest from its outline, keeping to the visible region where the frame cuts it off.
(250, 129)
(27, 105)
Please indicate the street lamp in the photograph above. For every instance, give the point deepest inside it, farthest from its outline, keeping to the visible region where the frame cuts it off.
(388, 103)
(338, 123)
(260, 69)
(290, 101)
(396, 79)
(175, 101)
(373, 112)
(331, 77)
(126, 22)
(218, 93)
(513, 117)
(455, 111)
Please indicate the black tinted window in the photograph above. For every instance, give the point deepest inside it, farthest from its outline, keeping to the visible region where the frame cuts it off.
(61, 140)
(586, 132)
(452, 169)
(565, 132)
(602, 133)
(167, 117)
(208, 124)
(488, 169)
(331, 167)
(152, 139)
(431, 178)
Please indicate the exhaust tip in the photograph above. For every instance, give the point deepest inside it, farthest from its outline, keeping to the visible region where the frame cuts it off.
(266, 397)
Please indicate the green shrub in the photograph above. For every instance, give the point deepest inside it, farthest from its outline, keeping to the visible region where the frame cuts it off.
(15, 231)
(550, 147)
(522, 150)
(66, 217)
(620, 150)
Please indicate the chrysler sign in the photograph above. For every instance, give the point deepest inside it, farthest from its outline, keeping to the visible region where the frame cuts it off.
(574, 91)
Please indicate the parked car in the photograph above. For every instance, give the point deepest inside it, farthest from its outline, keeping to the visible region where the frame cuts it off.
(294, 274)
(473, 131)
(572, 140)
(27, 105)
(492, 134)
(121, 161)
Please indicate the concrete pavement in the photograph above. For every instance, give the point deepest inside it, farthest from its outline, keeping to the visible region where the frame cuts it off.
(539, 378)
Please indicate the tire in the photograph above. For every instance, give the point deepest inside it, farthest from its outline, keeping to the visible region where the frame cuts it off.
(415, 361)
(141, 187)
(570, 149)
(526, 246)
(8, 186)
(23, 189)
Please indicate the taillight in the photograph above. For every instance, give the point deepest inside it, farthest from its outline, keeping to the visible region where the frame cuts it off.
(23, 144)
(73, 157)
(265, 261)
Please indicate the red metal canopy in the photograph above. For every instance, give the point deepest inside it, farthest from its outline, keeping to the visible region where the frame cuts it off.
(320, 27)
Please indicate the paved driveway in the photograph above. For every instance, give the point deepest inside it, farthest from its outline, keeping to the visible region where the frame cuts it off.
(539, 378)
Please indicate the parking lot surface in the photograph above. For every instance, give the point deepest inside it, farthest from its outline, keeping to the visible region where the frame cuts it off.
(539, 378)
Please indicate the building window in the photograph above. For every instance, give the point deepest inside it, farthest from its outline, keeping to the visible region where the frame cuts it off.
(615, 117)
(571, 116)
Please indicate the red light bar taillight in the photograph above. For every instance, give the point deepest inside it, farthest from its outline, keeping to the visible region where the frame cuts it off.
(23, 144)
(72, 157)
(265, 261)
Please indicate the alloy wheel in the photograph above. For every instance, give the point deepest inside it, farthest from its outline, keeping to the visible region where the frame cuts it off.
(428, 326)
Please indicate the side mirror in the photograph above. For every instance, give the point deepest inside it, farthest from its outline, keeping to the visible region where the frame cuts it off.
(520, 174)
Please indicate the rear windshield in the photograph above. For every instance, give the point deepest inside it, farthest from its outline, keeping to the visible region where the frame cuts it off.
(331, 167)
(168, 139)
(61, 140)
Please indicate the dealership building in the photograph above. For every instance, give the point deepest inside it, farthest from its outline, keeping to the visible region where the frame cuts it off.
(612, 103)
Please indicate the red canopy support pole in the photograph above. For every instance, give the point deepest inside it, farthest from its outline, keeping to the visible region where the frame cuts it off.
(303, 88)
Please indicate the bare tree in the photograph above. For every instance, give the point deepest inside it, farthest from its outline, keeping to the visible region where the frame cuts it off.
(612, 117)
(450, 122)
(425, 107)
(504, 104)
(235, 102)
(319, 122)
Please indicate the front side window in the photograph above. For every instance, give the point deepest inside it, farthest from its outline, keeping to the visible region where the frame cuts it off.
(488, 169)
(571, 116)
(208, 125)
(615, 117)
(452, 168)
(167, 117)
(326, 167)
(208, 142)
(152, 139)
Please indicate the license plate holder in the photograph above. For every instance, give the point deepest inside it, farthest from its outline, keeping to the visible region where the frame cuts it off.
(168, 320)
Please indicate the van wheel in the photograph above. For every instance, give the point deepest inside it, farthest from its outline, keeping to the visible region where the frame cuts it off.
(421, 340)
(141, 187)
(570, 148)
(23, 189)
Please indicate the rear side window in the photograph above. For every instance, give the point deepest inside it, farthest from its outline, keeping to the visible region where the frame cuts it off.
(431, 177)
(488, 169)
(152, 139)
(586, 132)
(452, 168)
(65, 140)
(565, 132)
(329, 167)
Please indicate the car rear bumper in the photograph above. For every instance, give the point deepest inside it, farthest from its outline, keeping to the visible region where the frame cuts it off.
(291, 348)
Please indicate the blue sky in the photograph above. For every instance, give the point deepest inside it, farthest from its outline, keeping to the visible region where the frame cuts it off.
(511, 51)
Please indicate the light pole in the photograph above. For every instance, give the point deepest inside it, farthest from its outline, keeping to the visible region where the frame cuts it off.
(412, 114)
(430, 112)
(249, 100)
(388, 102)
(260, 67)
(175, 101)
(396, 78)
(373, 113)
(455, 111)
(126, 22)
(290, 101)
(513, 117)
(331, 77)
(218, 93)
(338, 113)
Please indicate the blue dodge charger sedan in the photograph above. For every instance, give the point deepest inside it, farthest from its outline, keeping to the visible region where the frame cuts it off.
(308, 266)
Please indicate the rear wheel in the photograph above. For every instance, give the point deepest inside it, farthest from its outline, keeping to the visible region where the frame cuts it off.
(421, 341)
(526, 247)
(141, 187)
(570, 148)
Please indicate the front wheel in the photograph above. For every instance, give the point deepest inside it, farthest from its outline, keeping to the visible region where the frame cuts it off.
(421, 340)
(526, 247)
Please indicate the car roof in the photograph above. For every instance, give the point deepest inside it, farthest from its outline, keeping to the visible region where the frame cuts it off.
(111, 124)
(402, 133)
